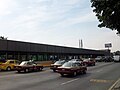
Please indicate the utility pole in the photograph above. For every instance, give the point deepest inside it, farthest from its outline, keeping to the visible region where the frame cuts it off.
(80, 43)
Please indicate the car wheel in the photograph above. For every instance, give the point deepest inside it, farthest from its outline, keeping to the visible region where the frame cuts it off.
(8, 68)
(26, 70)
(62, 75)
(84, 72)
(54, 70)
(75, 73)
(40, 69)
(18, 71)
(86, 64)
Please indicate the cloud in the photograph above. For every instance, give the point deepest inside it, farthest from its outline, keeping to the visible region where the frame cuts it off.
(84, 18)
(43, 14)
(5, 6)
(59, 13)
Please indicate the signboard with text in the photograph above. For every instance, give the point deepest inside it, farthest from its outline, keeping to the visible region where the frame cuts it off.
(108, 45)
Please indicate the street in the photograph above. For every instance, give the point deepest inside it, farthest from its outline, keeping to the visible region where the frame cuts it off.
(99, 77)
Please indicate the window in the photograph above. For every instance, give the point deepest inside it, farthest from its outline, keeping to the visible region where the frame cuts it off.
(11, 61)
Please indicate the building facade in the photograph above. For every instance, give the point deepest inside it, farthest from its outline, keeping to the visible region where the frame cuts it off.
(19, 50)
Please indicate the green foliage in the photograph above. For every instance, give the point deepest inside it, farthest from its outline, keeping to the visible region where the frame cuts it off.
(108, 13)
(3, 38)
(117, 53)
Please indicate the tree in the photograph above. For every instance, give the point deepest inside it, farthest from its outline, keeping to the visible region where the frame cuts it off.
(108, 13)
(3, 38)
(117, 53)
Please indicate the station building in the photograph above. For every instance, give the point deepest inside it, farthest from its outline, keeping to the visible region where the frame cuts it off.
(10, 49)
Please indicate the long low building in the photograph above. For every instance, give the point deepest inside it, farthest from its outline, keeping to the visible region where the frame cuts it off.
(19, 50)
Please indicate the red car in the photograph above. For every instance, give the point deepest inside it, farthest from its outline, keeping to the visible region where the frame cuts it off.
(57, 64)
(71, 68)
(27, 66)
(89, 62)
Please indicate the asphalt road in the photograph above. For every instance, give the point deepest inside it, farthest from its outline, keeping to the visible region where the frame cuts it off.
(99, 77)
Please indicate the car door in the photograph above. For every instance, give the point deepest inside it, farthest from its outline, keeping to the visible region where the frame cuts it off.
(12, 64)
(78, 67)
(30, 66)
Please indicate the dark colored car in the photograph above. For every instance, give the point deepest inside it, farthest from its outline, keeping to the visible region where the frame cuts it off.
(71, 68)
(57, 64)
(89, 62)
(27, 66)
(108, 59)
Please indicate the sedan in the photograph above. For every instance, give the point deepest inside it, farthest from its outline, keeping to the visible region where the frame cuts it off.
(57, 64)
(89, 62)
(71, 68)
(76, 60)
(27, 66)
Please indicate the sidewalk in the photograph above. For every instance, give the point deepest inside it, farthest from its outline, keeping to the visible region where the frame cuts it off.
(116, 85)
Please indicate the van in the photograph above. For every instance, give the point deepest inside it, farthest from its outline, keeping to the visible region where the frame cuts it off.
(116, 58)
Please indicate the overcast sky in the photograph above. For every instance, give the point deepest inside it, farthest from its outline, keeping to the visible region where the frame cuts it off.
(56, 22)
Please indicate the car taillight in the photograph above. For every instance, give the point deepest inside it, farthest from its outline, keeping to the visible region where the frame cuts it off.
(2, 64)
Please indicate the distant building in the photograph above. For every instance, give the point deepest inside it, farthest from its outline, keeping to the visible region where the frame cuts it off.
(19, 50)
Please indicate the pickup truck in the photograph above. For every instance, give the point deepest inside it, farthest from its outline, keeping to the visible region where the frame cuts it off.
(28, 66)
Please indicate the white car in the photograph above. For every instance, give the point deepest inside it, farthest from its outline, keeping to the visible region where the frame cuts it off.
(98, 59)
(76, 60)
(116, 58)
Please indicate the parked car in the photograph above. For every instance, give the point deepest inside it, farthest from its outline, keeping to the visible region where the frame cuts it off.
(71, 68)
(99, 59)
(9, 65)
(57, 64)
(107, 59)
(116, 58)
(28, 66)
(89, 62)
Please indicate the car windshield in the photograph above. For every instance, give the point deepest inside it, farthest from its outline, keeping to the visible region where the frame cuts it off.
(23, 63)
(67, 64)
(59, 62)
(86, 60)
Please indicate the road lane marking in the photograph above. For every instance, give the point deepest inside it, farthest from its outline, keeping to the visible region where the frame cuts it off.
(69, 81)
(100, 70)
(100, 81)
(111, 88)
